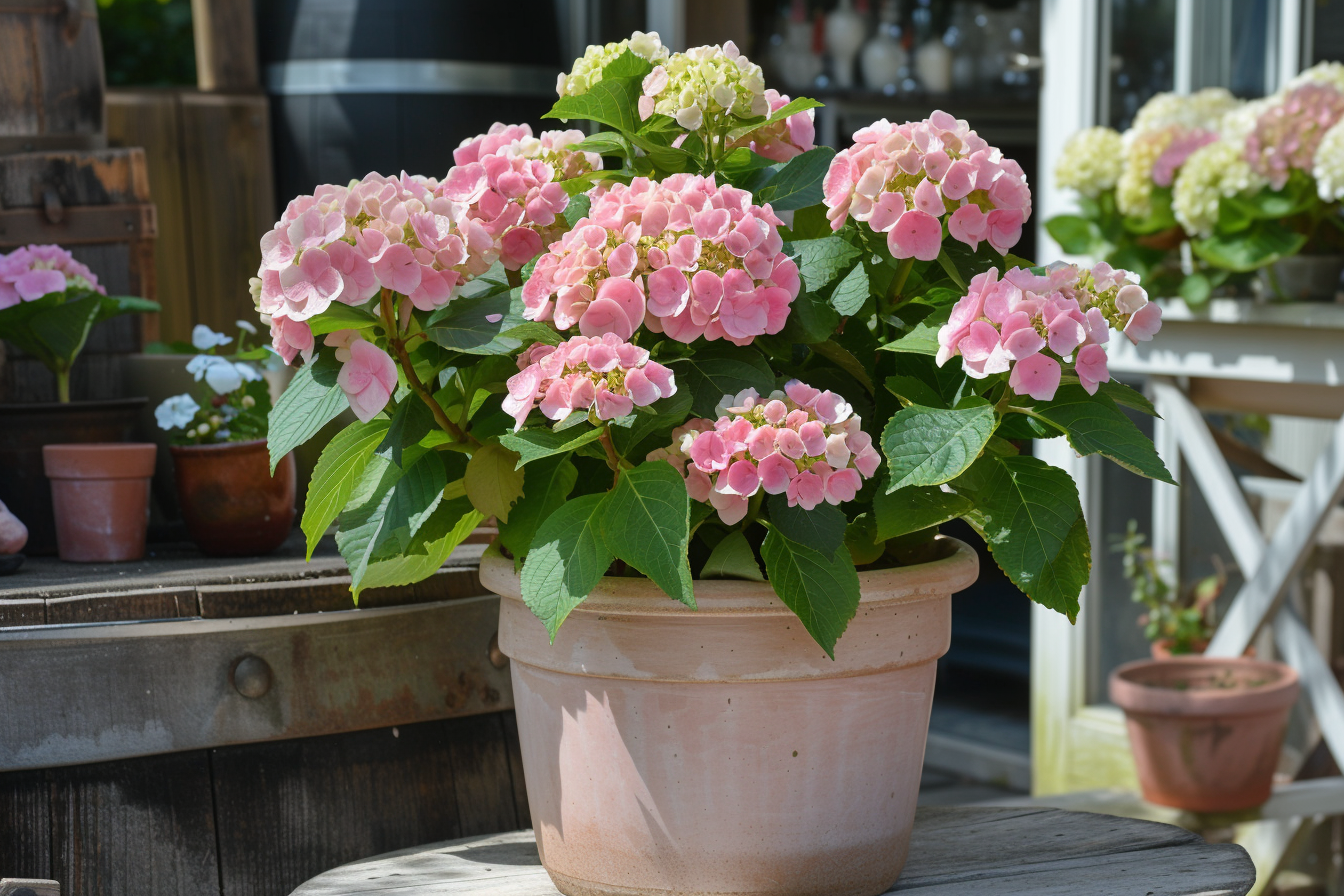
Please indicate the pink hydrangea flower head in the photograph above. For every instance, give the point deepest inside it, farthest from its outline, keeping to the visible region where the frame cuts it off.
(685, 257)
(30, 272)
(803, 443)
(781, 140)
(1287, 133)
(368, 379)
(906, 180)
(603, 376)
(292, 338)
(1032, 324)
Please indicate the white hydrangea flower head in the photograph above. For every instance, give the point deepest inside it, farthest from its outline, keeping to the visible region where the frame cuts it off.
(1329, 73)
(1211, 173)
(1091, 162)
(705, 82)
(1134, 188)
(1329, 165)
(1238, 123)
(588, 68)
(1201, 109)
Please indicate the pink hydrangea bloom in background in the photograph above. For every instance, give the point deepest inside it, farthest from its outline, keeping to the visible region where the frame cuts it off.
(904, 180)
(685, 257)
(31, 272)
(346, 243)
(1183, 143)
(368, 379)
(509, 180)
(1287, 133)
(604, 375)
(781, 140)
(1031, 325)
(803, 443)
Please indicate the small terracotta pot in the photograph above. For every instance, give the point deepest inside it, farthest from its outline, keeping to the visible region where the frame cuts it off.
(1206, 733)
(1161, 648)
(670, 751)
(100, 495)
(232, 505)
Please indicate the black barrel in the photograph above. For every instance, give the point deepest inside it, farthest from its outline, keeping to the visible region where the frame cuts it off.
(387, 85)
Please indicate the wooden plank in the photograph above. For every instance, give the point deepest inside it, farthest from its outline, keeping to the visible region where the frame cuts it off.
(331, 593)
(78, 225)
(102, 177)
(226, 44)
(230, 192)
(482, 779)
(167, 603)
(25, 824)
(1315, 400)
(952, 851)
(290, 810)
(518, 779)
(141, 826)
(23, 611)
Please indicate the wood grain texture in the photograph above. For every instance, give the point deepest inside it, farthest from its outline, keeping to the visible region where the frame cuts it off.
(142, 827)
(51, 78)
(953, 852)
(166, 603)
(25, 825)
(23, 611)
(226, 44)
(516, 770)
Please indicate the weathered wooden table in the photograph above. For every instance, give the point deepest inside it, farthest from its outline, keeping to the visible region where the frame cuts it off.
(954, 852)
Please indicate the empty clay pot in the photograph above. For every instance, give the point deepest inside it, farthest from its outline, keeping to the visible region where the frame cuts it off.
(670, 751)
(1206, 733)
(100, 494)
(232, 505)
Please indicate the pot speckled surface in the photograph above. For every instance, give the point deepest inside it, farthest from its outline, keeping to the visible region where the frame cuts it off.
(719, 750)
(100, 495)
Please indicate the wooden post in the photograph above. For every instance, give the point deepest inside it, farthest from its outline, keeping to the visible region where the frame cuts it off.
(226, 45)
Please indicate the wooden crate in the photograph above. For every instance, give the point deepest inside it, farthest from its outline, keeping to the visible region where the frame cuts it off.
(98, 205)
(209, 161)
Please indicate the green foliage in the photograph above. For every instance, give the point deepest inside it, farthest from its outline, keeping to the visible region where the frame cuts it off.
(645, 521)
(147, 43)
(720, 369)
(822, 590)
(928, 446)
(567, 560)
(311, 401)
(1094, 425)
(546, 485)
(1257, 246)
(732, 558)
(55, 327)
(913, 508)
(798, 182)
(340, 465)
(494, 480)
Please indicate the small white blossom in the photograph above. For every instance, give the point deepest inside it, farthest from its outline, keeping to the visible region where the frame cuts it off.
(224, 377)
(176, 412)
(588, 68)
(204, 338)
(709, 81)
(1091, 162)
(246, 327)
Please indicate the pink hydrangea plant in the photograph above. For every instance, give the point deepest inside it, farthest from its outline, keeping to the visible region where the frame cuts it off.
(510, 181)
(1029, 325)
(803, 443)
(1287, 134)
(31, 272)
(781, 140)
(368, 378)
(905, 180)
(685, 257)
(604, 375)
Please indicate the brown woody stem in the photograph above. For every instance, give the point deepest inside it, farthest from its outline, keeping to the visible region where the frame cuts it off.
(404, 359)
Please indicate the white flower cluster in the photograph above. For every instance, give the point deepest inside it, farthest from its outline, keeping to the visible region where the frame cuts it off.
(1201, 109)
(1211, 172)
(1091, 161)
(705, 82)
(1328, 168)
(1329, 73)
(1134, 188)
(588, 67)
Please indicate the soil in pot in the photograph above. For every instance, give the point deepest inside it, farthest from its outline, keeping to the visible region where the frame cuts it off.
(100, 495)
(232, 505)
(1205, 732)
(25, 428)
(674, 751)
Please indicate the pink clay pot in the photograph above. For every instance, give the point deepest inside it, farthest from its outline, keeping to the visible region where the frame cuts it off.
(673, 751)
(1206, 733)
(100, 495)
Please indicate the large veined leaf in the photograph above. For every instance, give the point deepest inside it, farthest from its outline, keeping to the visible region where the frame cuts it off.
(821, 260)
(793, 107)
(546, 485)
(411, 421)
(851, 292)
(341, 463)
(822, 527)
(798, 182)
(363, 526)
(567, 559)
(493, 480)
(720, 369)
(449, 524)
(645, 521)
(471, 323)
(913, 508)
(823, 591)
(1029, 514)
(533, 444)
(732, 558)
(341, 317)
(611, 101)
(415, 497)
(1123, 395)
(661, 416)
(930, 446)
(309, 403)
(1094, 425)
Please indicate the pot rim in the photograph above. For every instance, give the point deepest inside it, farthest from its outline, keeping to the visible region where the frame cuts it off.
(99, 460)
(1134, 696)
(56, 407)
(735, 597)
(223, 448)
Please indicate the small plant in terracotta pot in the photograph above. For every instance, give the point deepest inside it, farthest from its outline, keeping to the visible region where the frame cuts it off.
(1177, 621)
(719, 400)
(231, 501)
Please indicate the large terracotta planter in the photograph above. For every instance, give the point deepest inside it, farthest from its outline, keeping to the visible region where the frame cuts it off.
(100, 495)
(1206, 733)
(671, 751)
(232, 505)
(25, 428)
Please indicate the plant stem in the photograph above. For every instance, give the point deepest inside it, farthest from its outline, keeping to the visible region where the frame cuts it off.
(515, 278)
(613, 460)
(898, 283)
(63, 385)
(404, 359)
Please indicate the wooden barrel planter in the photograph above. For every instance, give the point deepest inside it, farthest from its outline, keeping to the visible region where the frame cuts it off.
(386, 85)
(236, 727)
(51, 76)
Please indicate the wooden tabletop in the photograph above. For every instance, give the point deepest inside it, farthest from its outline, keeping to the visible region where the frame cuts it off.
(953, 852)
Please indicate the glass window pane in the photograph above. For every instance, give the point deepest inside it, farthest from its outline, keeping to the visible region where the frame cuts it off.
(1142, 53)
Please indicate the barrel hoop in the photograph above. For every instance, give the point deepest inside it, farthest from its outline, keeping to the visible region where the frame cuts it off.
(300, 77)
